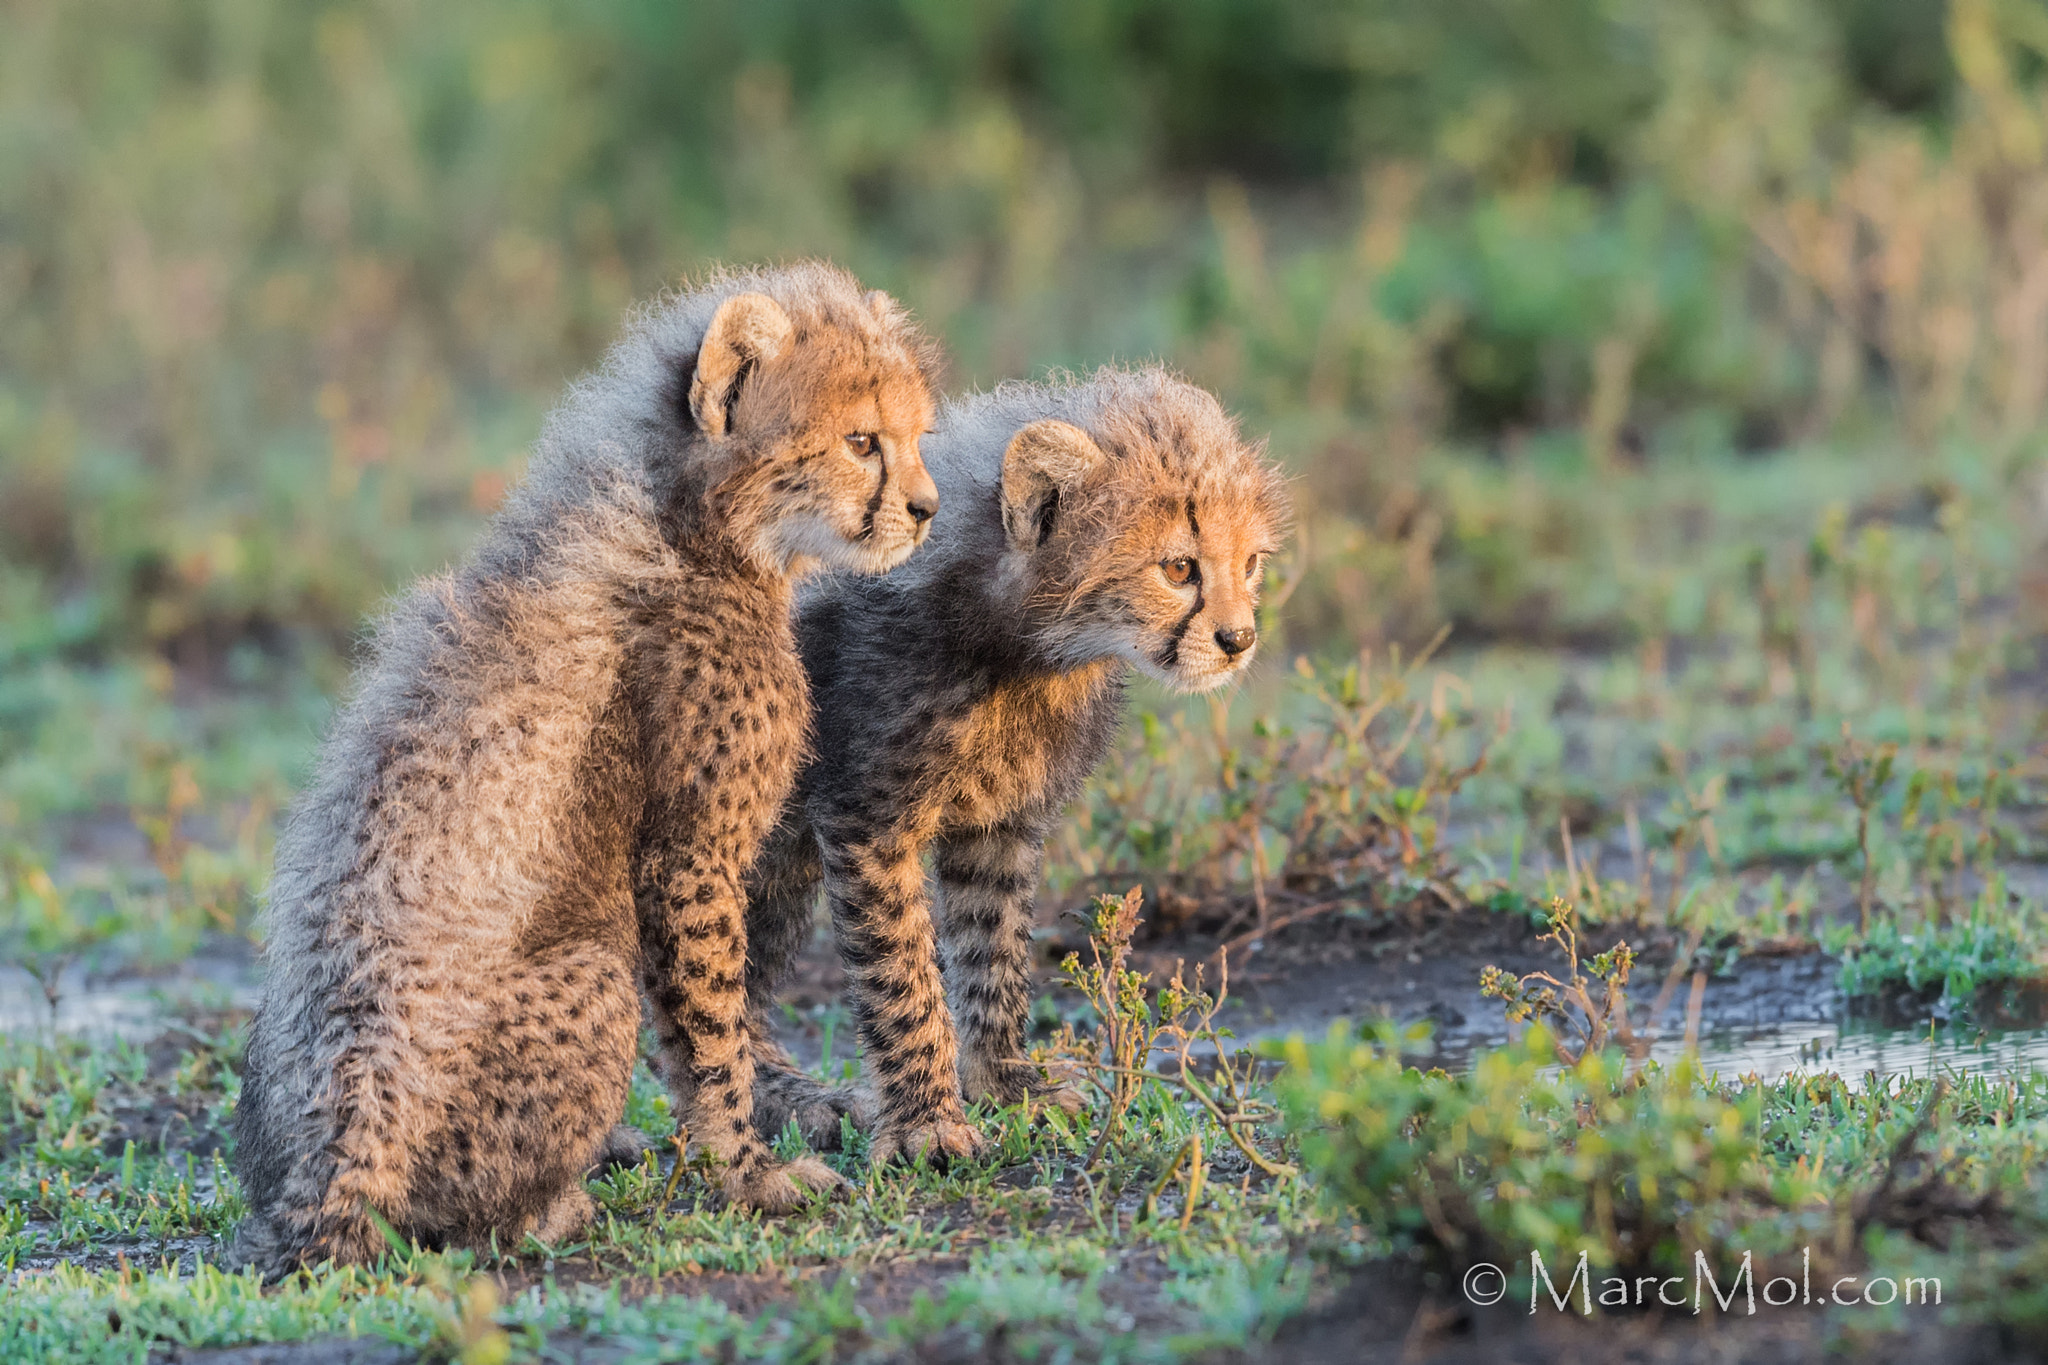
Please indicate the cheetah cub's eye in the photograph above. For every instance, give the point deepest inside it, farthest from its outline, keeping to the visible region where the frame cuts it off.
(1180, 572)
(1251, 568)
(863, 444)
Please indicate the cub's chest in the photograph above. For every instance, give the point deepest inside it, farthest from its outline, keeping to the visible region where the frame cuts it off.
(753, 683)
(717, 672)
(1018, 744)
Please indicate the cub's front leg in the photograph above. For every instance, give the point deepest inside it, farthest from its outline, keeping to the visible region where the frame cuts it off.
(693, 961)
(882, 918)
(715, 776)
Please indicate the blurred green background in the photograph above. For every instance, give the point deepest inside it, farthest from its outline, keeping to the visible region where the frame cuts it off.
(1570, 315)
(286, 287)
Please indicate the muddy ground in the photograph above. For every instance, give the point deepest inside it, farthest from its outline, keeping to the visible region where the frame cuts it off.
(1404, 967)
(1410, 969)
(1426, 1333)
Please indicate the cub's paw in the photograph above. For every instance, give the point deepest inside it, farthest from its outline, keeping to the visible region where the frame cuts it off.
(1064, 1098)
(624, 1145)
(778, 1187)
(1006, 1083)
(260, 1244)
(566, 1218)
(780, 1096)
(943, 1139)
(347, 1239)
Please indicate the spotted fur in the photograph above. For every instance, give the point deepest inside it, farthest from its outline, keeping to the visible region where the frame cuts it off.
(962, 702)
(559, 761)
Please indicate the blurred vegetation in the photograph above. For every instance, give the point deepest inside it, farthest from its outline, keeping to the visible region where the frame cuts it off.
(1701, 347)
(287, 286)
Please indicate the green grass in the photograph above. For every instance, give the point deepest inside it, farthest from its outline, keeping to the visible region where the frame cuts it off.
(1961, 969)
(1036, 1249)
(1025, 1247)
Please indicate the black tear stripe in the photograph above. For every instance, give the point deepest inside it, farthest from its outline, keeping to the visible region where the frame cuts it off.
(867, 520)
(1170, 656)
(732, 395)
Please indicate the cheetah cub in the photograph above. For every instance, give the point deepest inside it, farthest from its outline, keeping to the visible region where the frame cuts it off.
(559, 761)
(1115, 523)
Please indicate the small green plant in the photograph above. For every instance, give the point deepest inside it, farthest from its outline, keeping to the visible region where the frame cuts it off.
(1950, 970)
(1592, 1023)
(1950, 820)
(1649, 1171)
(1135, 1023)
(1282, 822)
(1383, 762)
(1689, 818)
(1862, 771)
(1124, 1023)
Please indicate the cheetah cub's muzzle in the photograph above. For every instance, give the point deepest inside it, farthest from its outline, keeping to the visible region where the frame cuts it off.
(874, 501)
(1213, 578)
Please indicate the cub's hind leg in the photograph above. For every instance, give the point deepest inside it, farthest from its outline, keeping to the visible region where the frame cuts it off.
(530, 1102)
(987, 878)
(453, 1120)
(339, 1084)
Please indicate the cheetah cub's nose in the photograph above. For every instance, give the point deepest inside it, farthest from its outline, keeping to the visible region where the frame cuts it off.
(1236, 642)
(923, 507)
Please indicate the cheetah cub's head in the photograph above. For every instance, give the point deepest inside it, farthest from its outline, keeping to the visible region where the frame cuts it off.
(814, 404)
(1146, 537)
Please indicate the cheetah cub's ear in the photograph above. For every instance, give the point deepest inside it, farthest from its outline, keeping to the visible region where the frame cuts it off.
(746, 331)
(887, 311)
(1043, 461)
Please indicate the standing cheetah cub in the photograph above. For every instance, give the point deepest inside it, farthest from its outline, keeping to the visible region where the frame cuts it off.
(962, 702)
(558, 764)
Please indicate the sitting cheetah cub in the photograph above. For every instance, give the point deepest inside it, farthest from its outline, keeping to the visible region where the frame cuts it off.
(559, 761)
(962, 702)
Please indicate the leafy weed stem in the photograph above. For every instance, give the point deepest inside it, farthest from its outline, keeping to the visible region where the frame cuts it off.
(1862, 771)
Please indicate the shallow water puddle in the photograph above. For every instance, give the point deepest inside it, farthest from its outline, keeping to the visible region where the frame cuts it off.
(98, 1016)
(1772, 1019)
(1854, 1052)
(126, 1006)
